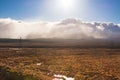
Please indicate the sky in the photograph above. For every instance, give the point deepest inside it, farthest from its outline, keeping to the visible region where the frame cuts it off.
(68, 19)
(53, 10)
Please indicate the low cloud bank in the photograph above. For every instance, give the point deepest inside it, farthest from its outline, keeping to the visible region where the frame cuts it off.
(70, 28)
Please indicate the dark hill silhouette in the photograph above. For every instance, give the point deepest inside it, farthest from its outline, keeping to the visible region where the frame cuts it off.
(47, 43)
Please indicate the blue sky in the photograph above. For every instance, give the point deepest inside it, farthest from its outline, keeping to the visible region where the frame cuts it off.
(89, 10)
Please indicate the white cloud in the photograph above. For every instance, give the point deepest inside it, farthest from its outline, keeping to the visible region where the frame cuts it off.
(70, 28)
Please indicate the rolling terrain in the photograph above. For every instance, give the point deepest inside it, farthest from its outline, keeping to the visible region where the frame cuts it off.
(44, 63)
(44, 59)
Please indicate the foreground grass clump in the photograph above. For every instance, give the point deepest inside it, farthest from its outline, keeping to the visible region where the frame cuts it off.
(6, 74)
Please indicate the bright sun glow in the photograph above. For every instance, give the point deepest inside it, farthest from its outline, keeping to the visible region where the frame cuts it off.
(70, 6)
(65, 8)
(66, 4)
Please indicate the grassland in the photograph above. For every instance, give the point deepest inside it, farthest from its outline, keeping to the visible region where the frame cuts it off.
(43, 63)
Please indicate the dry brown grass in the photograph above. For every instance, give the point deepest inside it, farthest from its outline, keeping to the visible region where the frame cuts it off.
(82, 64)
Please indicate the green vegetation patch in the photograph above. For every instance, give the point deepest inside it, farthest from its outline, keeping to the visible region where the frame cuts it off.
(6, 74)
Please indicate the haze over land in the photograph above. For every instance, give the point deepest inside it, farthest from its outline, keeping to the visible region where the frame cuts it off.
(69, 28)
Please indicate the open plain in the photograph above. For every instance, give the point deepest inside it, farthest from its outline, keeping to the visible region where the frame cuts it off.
(44, 63)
